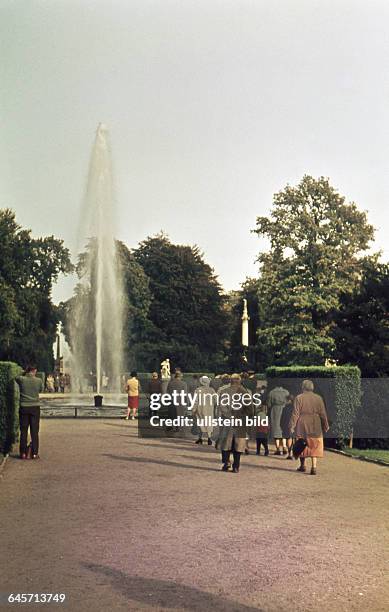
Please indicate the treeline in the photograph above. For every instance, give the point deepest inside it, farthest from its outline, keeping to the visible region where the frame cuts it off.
(321, 295)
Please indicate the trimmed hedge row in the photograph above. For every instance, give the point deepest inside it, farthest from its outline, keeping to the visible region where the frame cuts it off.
(9, 405)
(340, 387)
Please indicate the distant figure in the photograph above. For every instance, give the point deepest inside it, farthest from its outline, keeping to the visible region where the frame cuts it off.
(179, 385)
(276, 401)
(50, 383)
(285, 426)
(204, 409)
(165, 374)
(249, 381)
(309, 422)
(62, 383)
(216, 382)
(194, 383)
(133, 391)
(262, 431)
(154, 388)
(30, 387)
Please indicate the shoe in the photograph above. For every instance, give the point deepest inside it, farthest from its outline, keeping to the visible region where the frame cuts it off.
(302, 468)
(246, 451)
(258, 453)
(35, 457)
(132, 418)
(225, 467)
(284, 451)
(235, 470)
(127, 418)
(277, 452)
(23, 456)
(209, 442)
(313, 471)
(199, 441)
(290, 458)
(266, 453)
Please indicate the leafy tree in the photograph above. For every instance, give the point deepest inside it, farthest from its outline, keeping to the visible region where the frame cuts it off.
(28, 268)
(187, 316)
(362, 323)
(316, 241)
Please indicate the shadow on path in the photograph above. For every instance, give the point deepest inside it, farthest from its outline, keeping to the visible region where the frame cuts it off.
(156, 462)
(166, 594)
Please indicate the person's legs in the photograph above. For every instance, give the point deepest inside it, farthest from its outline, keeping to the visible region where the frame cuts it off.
(236, 455)
(128, 408)
(314, 464)
(226, 459)
(284, 449)
(24, 422)
(302, 467)
(34, 429)
(277, 443)
(265, 446)
(258, 446)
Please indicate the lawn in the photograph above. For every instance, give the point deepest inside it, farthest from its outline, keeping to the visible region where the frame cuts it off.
(383, 455)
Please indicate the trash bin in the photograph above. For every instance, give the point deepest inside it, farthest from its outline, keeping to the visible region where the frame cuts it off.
(98, 401)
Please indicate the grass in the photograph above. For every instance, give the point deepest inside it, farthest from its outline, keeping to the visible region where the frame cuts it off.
(383, 455)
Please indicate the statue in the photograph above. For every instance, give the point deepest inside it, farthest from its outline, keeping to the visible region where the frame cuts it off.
(165, 374)
(165, 369)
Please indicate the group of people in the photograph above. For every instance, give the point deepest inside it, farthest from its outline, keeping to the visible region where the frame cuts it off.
(288, 419)
(57, 382)
(296, 424)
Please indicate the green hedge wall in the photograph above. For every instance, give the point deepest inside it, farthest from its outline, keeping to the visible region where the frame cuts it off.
(340, 386)
(9, 405)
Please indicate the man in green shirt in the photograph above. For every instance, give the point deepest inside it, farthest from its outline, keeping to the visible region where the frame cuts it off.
(30, 386)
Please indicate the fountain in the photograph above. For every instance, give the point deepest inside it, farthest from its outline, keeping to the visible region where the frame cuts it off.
(97, 309)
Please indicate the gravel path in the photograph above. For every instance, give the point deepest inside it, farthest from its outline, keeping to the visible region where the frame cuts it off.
(121, 523)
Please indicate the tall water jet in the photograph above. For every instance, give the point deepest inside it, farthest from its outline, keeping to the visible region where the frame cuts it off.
(97, 309)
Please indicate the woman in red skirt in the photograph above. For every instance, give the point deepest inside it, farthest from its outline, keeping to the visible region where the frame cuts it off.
(133, 391)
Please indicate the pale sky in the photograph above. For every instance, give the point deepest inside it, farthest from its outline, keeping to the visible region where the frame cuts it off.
(212, 107)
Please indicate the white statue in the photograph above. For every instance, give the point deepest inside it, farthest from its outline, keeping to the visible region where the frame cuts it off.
(165, 369)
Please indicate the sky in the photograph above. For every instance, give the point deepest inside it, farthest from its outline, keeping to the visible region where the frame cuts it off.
(212, 106)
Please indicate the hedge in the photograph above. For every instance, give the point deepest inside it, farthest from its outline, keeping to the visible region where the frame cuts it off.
(340, 387)
(9, 405)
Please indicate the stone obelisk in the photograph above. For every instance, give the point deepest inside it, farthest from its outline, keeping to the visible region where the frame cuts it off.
(245, 325)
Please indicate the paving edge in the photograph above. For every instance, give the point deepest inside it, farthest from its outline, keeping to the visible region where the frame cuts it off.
(368, 459)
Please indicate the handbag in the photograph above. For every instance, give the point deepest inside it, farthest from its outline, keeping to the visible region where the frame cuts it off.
(298, 447)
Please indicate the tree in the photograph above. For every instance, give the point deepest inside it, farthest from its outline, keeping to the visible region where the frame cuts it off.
(362, 323)
(28, 268)
(187, 317)
(316, 242)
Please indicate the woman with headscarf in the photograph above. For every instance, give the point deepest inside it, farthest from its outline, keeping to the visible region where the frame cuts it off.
(204, 409)
(309, 422)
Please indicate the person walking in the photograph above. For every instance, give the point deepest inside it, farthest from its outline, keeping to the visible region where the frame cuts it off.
(154, 388)
(233, 403)
(285, 426)
(30, 386)
(276, 401)
(177, 407)
(309, 422)
(204, 409)
(133, 392)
